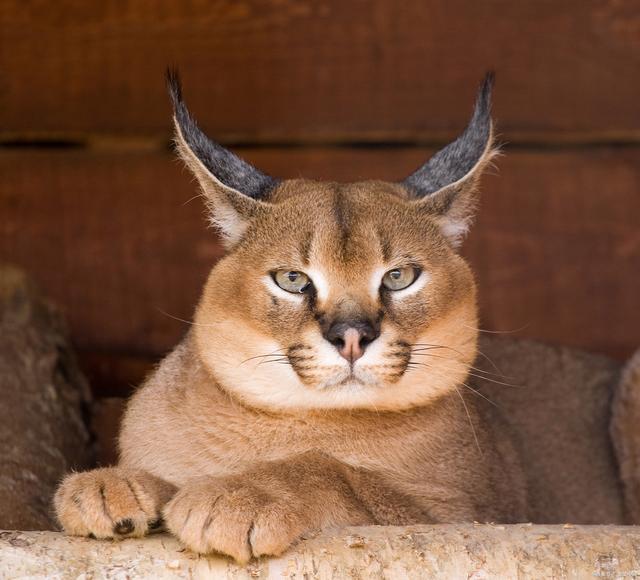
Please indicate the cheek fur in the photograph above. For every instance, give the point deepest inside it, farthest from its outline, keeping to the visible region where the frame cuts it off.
(259, 318)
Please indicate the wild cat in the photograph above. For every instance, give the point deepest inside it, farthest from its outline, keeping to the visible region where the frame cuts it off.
(328, 378)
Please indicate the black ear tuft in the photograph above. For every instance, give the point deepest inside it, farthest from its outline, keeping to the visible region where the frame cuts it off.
(174, 85)
(458, 158)
(224, 165)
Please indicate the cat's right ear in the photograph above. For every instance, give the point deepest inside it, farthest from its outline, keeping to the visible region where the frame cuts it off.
(235, 190)
(446, 186)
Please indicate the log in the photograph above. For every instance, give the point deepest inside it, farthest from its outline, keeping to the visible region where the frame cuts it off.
(44, 403)
(444, 551)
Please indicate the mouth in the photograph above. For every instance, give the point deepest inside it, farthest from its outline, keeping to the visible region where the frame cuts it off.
(394, 364)
(351, 379)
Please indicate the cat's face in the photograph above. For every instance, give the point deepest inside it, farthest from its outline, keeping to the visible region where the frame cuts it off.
(337, 295)
(323, 259)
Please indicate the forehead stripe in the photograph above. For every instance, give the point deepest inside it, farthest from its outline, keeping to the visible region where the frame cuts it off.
(305, 248)
(385, 246)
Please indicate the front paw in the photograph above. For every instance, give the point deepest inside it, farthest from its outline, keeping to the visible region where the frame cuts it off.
(109, 503)
(233, 517)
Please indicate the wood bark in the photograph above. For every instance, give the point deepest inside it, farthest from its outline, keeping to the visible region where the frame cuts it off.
(43, 399)
(445, 551)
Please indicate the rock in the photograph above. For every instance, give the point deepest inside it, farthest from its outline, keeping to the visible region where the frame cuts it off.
(45, 401)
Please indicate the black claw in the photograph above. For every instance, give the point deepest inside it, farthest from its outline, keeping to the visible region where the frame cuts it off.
(123, 527)
(156, 524)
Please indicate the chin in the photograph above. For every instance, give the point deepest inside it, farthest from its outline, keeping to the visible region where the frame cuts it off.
(351, 380)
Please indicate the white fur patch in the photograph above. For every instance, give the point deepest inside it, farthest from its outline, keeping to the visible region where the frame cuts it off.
(326, 354)
(228, 223)
(320, 283)
(374, 353)
(376, 280)
(454, 230)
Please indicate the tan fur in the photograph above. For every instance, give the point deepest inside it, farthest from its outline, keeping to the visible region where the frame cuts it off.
(266, 432)
(104, 501)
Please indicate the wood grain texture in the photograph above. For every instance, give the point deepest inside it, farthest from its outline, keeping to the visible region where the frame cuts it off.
(119, 241)
(302, 70)
(439, 552)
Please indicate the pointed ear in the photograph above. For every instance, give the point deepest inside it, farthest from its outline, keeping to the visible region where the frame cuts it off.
(235, 190)
(447, 184)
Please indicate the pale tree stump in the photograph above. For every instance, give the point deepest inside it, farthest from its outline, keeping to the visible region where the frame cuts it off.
(43, 405)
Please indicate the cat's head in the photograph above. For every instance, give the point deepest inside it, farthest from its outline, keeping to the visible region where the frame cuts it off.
(335, 295)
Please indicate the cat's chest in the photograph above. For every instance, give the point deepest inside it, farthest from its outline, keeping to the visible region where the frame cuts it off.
(230, 443)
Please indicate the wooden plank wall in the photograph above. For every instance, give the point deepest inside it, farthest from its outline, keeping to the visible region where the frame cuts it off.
(94, 205)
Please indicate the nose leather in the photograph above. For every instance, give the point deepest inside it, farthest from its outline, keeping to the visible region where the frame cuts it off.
(351, 338)
(351, 350)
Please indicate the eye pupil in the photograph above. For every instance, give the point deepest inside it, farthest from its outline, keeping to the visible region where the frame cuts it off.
(395, 274)
(293, 276)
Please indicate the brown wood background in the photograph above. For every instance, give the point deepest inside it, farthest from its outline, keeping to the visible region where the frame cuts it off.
(94, 205)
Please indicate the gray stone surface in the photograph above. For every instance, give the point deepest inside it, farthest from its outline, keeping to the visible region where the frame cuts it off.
(43, 403)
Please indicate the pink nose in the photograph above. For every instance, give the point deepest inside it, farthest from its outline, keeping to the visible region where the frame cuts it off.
(352, 349)
(352, 337)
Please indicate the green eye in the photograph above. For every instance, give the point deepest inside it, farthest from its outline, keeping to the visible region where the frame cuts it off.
(291, 280)
(400, 278)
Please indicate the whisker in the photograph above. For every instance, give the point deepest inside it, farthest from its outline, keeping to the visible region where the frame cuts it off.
(512, 385)
(433, 346)
(481, 395)
(498, 331)
(493, 364)
(477, 370)
(466, 409)
(183, 320)
(274, 353)
(274, 360)
(456, 360)
(426, 348)
(462, 383)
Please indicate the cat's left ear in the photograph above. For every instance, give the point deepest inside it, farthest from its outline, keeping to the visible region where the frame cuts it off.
(235, 190)
(446, 185)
